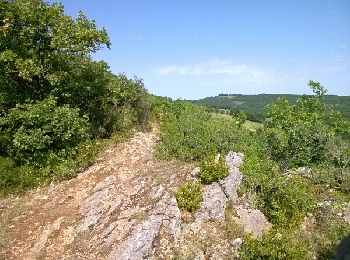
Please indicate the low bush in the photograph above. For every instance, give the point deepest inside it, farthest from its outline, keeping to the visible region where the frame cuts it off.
(212, 170)
(191, 133)
(16, 179)
(329, 231)
(189, 196)
(329, 174)
(276, 245)
(43, 130)
(285, 201)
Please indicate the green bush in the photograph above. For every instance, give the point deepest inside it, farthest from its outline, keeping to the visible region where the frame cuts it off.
(276, 245)
(328, 173)
(189, 196)
(212, 171)
(285, 201)
(298, 134)
(329, 231)
(191, 133)
(42, 130)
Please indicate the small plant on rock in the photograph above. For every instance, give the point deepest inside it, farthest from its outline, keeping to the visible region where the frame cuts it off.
(212, 170)
(189, 196)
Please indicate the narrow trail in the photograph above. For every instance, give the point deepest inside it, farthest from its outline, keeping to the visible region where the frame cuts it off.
(94, 215)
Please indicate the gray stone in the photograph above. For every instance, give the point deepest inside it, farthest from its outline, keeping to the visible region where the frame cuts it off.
(234, 160)
(139, 244)
(252, 220)
(213, 204)
(101, 202)
(231, 183)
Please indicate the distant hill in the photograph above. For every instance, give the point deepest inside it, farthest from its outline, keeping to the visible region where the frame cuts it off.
(255, 105)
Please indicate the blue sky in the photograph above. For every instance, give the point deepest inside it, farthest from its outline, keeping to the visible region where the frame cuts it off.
(193, 49)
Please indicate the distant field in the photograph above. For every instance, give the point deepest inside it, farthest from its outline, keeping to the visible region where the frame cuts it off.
(248, 124)
(255, 105)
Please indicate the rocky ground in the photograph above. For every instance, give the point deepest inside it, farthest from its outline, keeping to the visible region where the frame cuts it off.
(124, 207)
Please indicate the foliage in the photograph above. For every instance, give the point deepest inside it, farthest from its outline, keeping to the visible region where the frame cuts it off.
(298, 134)
(192, 133)
(37, 44)
(212, 170)
(189, 196)
(285, 201)
(241, 118)
(15, 179)
(276, 245)
(161, 108)
(53, 96)
(254, 106)
(330, 230)
(328, 173)
(42, 128)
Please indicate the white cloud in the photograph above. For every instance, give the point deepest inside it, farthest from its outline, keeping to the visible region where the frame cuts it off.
(227, 69)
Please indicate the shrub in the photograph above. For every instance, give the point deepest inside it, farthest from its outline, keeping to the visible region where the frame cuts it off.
(298, 134)
(285, 201)
(329, 231)
(189, 196)
(42, 129)
(212, 171)
(191, 133)
(327, 173)
(276, 245)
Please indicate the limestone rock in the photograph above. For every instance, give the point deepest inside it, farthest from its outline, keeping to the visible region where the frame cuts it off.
(213, 204)
(234, 160)
(139, 244)
(252, 220)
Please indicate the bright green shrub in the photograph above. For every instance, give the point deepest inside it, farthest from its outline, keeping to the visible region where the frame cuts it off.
(191, 133)
(276, 245)
(298, 134)
(212, 171)
(126, 105)
(285, 201)
(258, 171)
(189, 196)
(42, 129)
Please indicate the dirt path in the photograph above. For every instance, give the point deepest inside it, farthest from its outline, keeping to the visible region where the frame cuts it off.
(90, 216)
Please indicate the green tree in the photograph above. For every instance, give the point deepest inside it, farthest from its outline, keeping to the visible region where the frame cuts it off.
(298, 134)
(39, 45)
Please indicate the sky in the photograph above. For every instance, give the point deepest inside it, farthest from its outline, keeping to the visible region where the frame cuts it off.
(194, 49)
